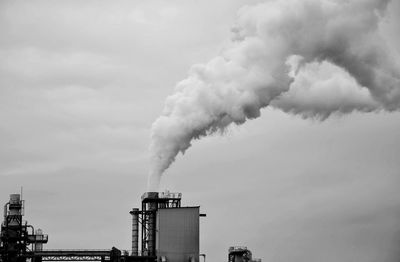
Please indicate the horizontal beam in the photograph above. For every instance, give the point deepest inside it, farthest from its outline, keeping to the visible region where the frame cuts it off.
(79, 252)
(73, 255)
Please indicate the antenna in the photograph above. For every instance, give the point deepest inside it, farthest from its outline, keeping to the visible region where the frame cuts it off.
(22, 189)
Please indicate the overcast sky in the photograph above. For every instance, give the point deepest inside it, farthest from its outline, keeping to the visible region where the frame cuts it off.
(81, 82)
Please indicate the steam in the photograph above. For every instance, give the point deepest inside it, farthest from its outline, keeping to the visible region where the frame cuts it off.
(311, 58)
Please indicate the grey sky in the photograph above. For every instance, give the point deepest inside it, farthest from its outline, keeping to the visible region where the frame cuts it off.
(80, 85)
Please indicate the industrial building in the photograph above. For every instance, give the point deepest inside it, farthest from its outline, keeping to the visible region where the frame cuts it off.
(162, 231)
(168, 232)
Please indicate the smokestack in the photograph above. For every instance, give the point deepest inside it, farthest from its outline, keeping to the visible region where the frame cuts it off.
(149, 209)
(311, 58)
(135, 231)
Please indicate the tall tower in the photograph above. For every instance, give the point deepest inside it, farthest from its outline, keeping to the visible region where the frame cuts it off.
(13, 236)
(18, 240)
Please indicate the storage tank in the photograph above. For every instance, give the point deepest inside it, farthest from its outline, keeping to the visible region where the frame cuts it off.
(39, 240)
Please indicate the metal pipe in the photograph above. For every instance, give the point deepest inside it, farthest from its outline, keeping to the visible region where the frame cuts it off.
(33, 229)
(33, 232)
(5, 211)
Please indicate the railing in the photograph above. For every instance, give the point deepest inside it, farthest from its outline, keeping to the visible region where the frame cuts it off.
(73, 254)
(79, 250)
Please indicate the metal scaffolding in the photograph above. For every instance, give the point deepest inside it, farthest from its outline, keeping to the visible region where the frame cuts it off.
(17, 238)
(151, 202)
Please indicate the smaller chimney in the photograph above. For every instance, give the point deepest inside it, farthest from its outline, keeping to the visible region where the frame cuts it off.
(135, 231)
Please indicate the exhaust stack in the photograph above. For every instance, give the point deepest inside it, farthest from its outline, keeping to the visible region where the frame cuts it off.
(135, 231)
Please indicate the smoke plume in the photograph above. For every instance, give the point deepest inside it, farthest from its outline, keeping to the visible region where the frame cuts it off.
(311, 58)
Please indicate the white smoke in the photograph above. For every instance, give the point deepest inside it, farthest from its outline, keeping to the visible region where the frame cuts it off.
(311, 57)
(322, 88)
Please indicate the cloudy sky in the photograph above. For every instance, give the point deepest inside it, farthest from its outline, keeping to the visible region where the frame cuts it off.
(81, 83)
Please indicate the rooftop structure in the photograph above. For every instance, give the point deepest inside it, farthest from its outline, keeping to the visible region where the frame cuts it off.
(241, 254)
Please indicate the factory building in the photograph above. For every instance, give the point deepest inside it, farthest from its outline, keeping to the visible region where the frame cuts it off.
(168, 232)
(162, 231)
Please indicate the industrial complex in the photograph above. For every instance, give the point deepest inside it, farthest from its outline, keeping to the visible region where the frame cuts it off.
(162, 230)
